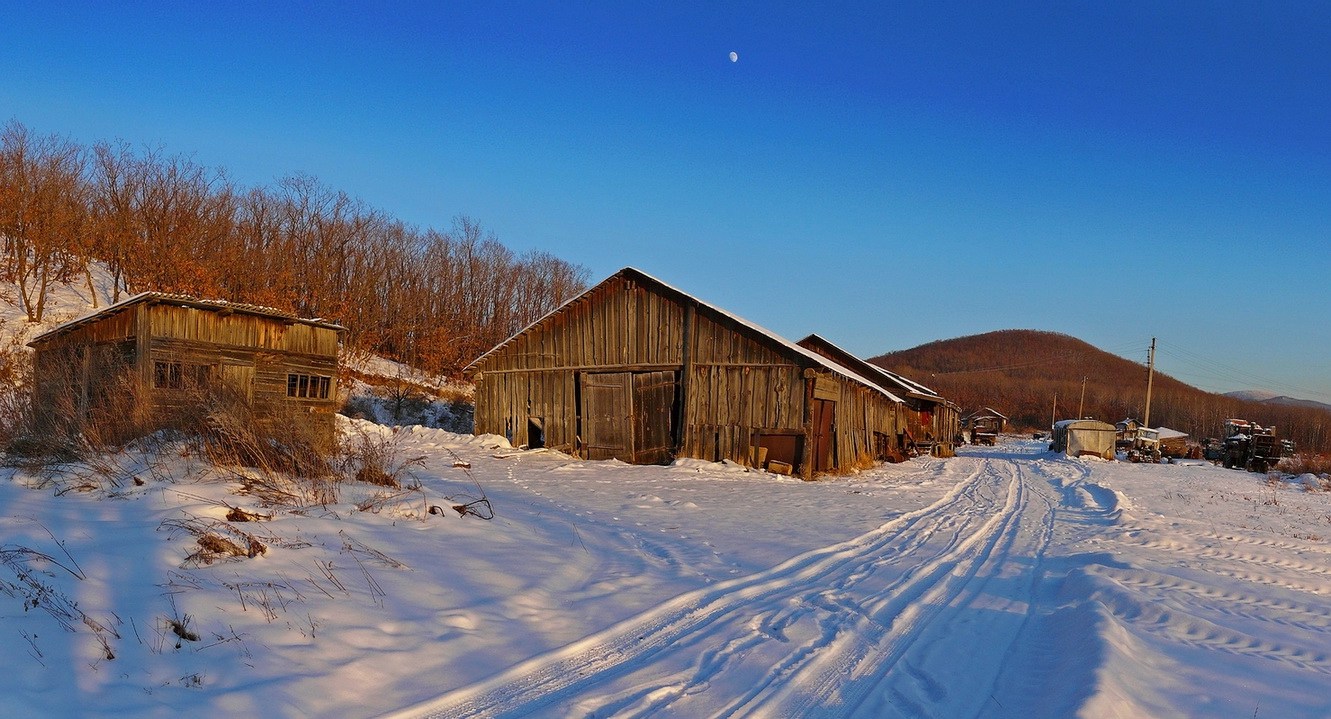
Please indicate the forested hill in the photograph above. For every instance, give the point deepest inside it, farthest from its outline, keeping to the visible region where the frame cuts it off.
(435, 298)
(1018, 372)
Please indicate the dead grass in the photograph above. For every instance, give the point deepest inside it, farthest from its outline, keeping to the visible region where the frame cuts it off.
(217, 540)
(377, 458)
(1306, 463)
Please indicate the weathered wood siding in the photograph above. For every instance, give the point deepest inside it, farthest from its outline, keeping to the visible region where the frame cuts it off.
(738, 385)
(239, 330)
(735, 385)
(260, 350)
(621, 327)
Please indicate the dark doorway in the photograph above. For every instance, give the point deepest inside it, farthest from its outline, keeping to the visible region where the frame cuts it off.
(824, 435)
(535, 432)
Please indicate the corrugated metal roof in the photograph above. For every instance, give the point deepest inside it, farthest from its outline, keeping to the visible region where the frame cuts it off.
(183, 301)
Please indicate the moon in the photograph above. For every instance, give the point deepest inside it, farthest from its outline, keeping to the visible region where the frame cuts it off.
(734, 56)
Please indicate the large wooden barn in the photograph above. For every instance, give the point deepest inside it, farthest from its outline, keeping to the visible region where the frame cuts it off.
(637, 370)
(142, 362)
(930, 422)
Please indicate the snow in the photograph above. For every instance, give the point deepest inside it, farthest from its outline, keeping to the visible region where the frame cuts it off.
(1005, 582)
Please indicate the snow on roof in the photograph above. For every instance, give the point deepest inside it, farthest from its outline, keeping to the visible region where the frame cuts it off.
(1082, 424)
(1167, 433)
(185, 301)
(778, 339)
(875, 372)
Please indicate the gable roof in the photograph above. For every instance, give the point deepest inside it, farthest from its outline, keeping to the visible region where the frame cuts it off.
(889, 381)
(632, 273)
(164, 298)
(986, 412)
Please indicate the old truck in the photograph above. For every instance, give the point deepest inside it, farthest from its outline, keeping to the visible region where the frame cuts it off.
(1250, 446)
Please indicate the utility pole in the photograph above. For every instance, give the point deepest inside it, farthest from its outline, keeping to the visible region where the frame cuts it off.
(1053, 415)
(1082, 404)
(1150, 376)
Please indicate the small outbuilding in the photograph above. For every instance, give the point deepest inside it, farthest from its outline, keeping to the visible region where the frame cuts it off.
(141, 363)
(1127, 430)
(1078, 437)
(1173, 443)
(931, 423)
(984, 425)
(637, 370)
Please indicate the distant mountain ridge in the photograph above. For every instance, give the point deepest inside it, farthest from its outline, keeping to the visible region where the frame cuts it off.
(1021, 372)
(1273, 398)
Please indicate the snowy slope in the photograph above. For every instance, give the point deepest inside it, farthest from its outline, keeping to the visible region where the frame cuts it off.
(1004, 582)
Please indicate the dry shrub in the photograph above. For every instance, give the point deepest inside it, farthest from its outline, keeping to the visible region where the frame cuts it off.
(46, 418)
(1306, 463)
(281, 459)
(15, 390)
(376, 457)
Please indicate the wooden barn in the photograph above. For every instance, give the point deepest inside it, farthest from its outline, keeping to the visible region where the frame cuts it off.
(146, 360)
(637, 370)
(930, 424)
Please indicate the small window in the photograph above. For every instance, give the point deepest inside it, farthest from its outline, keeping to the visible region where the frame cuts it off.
(309, 386)
(168, 375)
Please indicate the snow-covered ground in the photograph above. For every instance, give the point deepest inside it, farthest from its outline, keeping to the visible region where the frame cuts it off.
(1006, 582)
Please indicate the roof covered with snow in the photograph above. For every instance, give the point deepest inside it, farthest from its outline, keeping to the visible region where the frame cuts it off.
(1083, 424)
(1167, 433)
(165, 298)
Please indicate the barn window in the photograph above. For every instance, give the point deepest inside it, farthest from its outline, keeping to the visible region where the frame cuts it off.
(168, 375)
(308, 386)
(178, 375)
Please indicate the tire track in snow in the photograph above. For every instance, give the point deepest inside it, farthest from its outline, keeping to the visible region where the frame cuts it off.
(881, 674)
(1158, 586)
(636, 643)
(867, 640)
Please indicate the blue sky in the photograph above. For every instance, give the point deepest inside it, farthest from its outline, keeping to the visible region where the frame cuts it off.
(881, 173)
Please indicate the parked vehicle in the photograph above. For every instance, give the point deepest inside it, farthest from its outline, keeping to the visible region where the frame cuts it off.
(1252, 447)
(1145, 446)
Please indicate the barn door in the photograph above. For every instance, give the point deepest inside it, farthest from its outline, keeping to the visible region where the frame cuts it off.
(628, 416)
(607, 432)
(824, 435)
(653, 407)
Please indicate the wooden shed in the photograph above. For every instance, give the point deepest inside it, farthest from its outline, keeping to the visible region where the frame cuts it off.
(151, 355)
(636, 370)
(930, 421)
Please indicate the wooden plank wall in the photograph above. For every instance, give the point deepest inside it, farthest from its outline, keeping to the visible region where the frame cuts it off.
(621, 326)
(240, 330)
(738, 384)
(860, 413)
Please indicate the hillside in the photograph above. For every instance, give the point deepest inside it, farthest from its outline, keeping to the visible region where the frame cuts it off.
(1019, 372)
(433, 298)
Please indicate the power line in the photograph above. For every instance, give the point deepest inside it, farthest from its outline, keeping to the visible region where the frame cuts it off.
(1238, 376)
